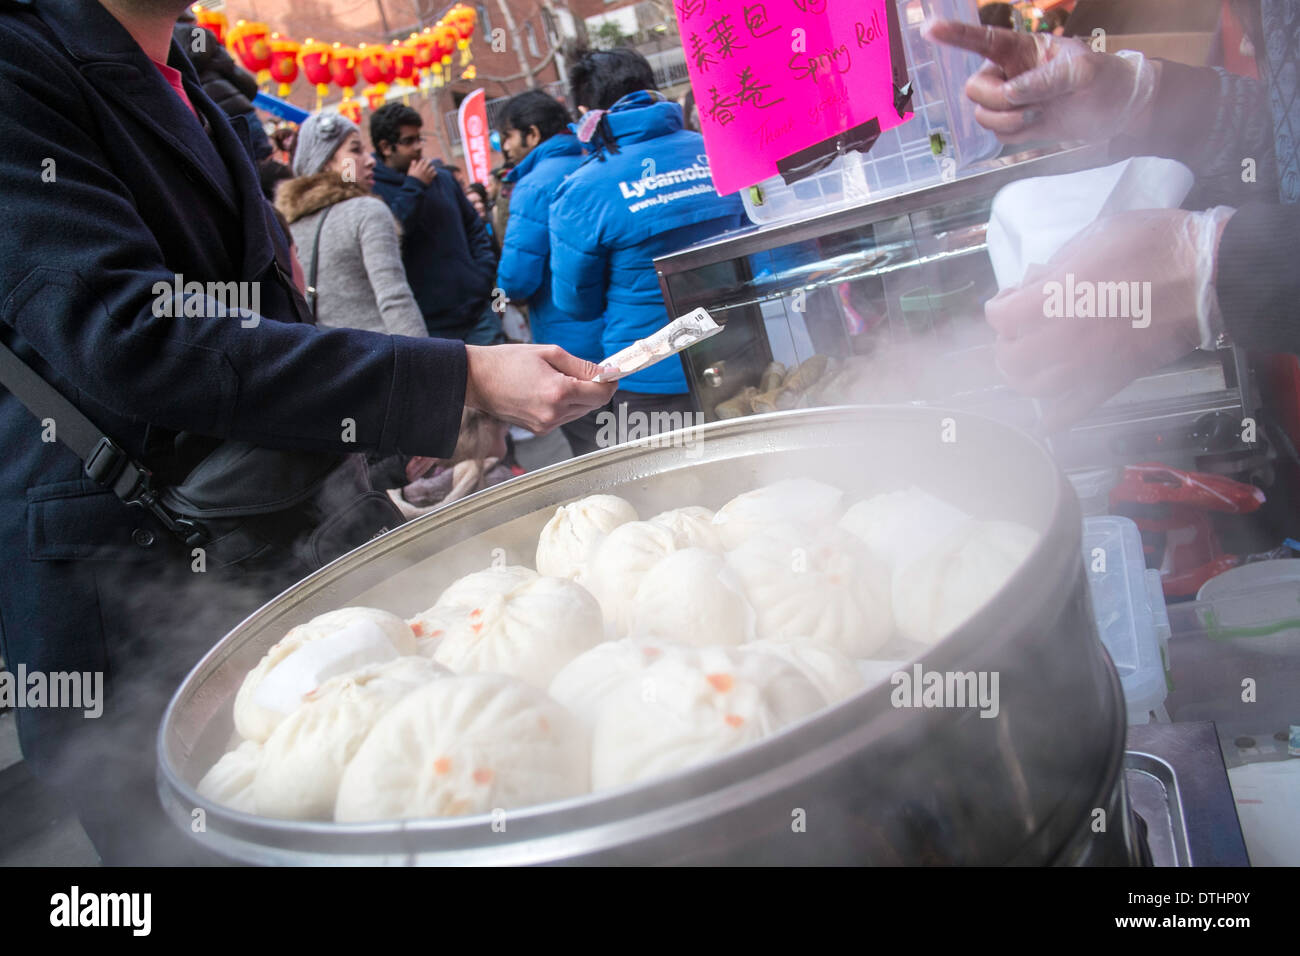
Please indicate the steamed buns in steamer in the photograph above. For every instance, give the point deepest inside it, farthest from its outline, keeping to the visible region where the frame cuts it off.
(692, 705)
(691, 527)
(833, 674)
(465, 744)
(618, 565)
(304, 758)
(691, 597)
(514, 621)
(584, 683)
(230, 779)
(575, 529)
(310, 654)
(800, 502)
(900, 526)
(935, 594)
(821, 589)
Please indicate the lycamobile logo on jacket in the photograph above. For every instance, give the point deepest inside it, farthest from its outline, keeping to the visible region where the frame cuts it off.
(636, 188)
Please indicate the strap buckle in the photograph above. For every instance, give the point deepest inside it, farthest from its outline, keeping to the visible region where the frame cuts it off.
(106, 462)
(105, 466)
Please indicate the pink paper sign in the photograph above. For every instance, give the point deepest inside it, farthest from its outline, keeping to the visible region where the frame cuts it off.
(774, 77)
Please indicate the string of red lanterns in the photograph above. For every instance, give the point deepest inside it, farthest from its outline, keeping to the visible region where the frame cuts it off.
(423, 60)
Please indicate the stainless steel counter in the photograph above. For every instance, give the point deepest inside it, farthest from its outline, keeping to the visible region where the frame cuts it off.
(1178, 784)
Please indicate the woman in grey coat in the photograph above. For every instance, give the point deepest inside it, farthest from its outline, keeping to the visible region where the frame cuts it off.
(360, 282)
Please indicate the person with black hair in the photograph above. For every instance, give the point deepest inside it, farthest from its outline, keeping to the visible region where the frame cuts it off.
(448, 255)
(645, 190)
(535, 137)
(477, 195)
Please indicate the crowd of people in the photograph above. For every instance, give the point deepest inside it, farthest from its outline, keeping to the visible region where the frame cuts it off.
(393, 241)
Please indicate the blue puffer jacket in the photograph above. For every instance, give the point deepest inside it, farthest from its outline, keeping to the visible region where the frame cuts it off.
(524, 272)
(618, 212)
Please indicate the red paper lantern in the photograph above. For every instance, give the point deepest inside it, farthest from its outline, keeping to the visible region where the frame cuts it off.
(284, 63)
(404, 71)
(343, 68)
(403, 61)
(462, 19)
(213, 20)
(376, 66)
(314, 58)
(352, 110)
(251, 42)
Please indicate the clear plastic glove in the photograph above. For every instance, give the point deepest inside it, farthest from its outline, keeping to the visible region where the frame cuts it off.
(1128, 295)
(1036, 86)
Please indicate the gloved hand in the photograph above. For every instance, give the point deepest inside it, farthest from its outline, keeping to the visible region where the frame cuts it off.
(1128, 295)
(1039, 86)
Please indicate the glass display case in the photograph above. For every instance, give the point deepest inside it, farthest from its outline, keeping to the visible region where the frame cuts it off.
(884, 302)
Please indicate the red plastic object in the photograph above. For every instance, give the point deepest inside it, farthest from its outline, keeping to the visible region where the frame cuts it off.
(1171, 509)
(1154, 483)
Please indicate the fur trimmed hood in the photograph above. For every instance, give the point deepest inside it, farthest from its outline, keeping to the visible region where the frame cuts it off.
(305, 195)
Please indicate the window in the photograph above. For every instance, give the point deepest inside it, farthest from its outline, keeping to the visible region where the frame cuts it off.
(548, 24)
(484, 20)
(530, 35)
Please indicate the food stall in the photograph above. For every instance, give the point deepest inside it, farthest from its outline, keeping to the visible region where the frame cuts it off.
(988, 680)
(884, 302)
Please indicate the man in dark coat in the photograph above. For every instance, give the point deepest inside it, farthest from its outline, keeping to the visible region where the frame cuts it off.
(449, 259)
(119, 177)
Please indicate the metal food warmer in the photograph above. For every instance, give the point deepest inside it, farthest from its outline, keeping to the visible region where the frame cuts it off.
(883, 302)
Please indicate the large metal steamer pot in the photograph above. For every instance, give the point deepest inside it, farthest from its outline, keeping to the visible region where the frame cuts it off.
(863, 782)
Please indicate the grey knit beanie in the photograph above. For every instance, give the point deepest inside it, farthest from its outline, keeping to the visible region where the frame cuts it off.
(319, 138)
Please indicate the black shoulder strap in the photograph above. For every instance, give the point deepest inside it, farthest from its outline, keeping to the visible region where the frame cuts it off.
(315, 262)
(105, 462)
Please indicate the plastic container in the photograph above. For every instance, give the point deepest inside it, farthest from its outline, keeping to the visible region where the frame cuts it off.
(902, 157)
(1130, 611)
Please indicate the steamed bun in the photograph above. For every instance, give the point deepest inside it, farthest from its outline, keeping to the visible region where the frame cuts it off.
(826, 591)
(834, 675)
(515, 621)
(691, 527)
(430, 627)
(575, 529)
(900, 526)
(303, 759)
(619, 564)
(935, 594)
(463, 745)
(230, 780)
(310, 654)
(693, 706)
(691, 597)
(584, 683)
(801, 502)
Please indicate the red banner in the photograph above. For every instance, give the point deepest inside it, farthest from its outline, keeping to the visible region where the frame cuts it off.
(474, 133)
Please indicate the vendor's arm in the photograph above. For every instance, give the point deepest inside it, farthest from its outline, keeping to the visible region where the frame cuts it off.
(1215, 122)
(1039, 87)
(1257, 281)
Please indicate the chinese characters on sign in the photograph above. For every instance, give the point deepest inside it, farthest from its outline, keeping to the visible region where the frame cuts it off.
(774, 77)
